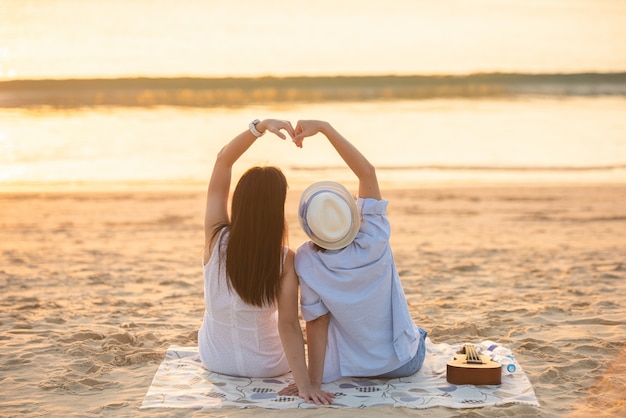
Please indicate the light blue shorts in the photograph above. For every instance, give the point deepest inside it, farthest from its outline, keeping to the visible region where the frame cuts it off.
(413, 365)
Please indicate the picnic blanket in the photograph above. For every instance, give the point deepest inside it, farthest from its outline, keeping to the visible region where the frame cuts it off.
(182, 382)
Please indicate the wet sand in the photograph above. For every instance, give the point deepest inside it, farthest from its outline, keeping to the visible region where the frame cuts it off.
(96, 286)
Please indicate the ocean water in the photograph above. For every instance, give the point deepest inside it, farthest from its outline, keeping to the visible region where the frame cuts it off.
(142, 93)
(412, 142)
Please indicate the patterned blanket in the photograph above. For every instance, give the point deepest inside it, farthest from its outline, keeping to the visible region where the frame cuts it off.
(182, 382)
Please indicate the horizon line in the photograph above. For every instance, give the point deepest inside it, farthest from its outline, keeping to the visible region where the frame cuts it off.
(434, 75)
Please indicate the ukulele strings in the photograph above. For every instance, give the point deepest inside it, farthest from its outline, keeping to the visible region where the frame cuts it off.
(471, 355)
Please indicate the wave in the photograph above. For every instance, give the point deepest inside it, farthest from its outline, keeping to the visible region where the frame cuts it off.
(242, 91)
(489, 168)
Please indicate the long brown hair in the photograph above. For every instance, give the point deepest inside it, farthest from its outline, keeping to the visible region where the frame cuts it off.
(254, 252)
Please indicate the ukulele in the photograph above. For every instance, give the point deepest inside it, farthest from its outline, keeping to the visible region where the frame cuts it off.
(470, 368)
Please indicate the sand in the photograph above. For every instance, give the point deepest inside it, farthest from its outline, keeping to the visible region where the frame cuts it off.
(96, 286)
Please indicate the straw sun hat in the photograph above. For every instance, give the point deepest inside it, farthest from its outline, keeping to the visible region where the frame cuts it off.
(328, 214)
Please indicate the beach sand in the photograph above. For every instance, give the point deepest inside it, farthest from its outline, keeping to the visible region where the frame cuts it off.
(96, 286)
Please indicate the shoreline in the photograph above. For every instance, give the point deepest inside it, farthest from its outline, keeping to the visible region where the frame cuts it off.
(298, 185)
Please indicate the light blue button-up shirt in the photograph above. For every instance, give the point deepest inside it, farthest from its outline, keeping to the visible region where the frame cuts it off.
(370, 330)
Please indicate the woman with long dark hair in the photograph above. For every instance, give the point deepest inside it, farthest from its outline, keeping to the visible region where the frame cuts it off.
(251, 326)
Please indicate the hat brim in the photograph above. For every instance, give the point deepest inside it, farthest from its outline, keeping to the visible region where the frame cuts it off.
(341, 191)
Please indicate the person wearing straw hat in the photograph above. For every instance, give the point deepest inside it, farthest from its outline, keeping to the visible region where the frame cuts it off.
(250, 326)
(357, 318)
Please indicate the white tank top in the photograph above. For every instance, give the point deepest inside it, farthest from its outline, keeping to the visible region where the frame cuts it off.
(236, 338)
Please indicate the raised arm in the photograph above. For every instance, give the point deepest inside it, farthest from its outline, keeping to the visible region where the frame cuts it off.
(219, 186)
(360, 166)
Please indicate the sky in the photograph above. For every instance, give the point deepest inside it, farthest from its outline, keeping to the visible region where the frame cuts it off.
(118, 38)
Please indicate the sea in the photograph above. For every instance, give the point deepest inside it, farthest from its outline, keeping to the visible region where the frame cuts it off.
(142, 94)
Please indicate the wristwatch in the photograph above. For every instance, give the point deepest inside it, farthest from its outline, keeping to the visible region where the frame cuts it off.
(253, 129)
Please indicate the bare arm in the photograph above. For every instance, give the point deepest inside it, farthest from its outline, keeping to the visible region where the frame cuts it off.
(291, 336)
(317, 337)
(360, 166)
(219, 186)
